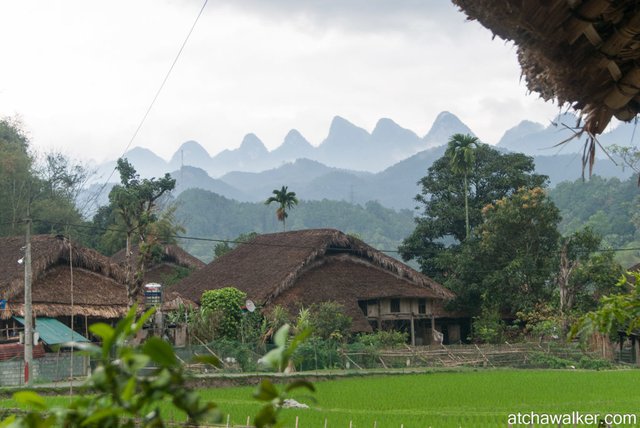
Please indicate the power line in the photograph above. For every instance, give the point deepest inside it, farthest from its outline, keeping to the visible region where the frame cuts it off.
(264, 244)
(153, 101)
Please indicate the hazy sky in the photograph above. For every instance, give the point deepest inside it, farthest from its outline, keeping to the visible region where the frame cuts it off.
(81, 73)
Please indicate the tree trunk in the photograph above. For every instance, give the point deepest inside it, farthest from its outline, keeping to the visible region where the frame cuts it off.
(466, 206)
(128, 279)
(567, 294)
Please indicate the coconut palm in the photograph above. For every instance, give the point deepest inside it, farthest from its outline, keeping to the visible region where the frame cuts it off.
(286, 200)
(461, 153)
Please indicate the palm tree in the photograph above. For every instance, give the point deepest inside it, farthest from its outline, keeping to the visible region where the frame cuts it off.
(286, 200)
(461, 153)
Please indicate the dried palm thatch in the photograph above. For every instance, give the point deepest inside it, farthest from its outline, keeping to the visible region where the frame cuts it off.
(582, 53)
(98, 281)
(311, 266)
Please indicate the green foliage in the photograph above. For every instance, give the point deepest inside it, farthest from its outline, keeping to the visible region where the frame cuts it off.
(275, 319)
(488, 327)
(178, 273)
(607, 206)
(461, 153)
(127, 389)
(223, 248)
(546, 361)
(439, 231)
(134, 202)
(511, 260)
(227, 304)
(616, 312)
(585, 274)
(541, 322)
(383, 339)
(518, 240)
(46, 185)
(16, 176)
(242, 353)
(318, 354)
(590, 363)
(328, 321)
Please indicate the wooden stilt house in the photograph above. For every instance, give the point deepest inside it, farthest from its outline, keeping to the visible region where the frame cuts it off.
(68, 279)
(300, 268)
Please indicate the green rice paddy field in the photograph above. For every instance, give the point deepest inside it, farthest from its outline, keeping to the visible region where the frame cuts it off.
(449, 399)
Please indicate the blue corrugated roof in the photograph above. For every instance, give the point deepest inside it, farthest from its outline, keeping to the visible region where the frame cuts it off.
(53, 332)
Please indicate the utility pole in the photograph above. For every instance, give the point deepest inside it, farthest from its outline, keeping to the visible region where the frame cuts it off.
(28, 313)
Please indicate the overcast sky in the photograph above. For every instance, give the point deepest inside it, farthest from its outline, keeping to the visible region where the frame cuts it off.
(81, 74)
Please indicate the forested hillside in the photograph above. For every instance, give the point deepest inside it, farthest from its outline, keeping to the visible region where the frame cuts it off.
(608, 206)
(208, 215)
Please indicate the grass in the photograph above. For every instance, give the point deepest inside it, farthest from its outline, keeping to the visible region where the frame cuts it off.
(464, 399)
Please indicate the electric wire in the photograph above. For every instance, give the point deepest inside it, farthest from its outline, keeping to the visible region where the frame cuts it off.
(264, 244)
(94, 198)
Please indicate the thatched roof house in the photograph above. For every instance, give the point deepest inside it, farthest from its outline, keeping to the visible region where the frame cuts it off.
(311, 266)
(97, 281)
(578, 52)
(171, 259)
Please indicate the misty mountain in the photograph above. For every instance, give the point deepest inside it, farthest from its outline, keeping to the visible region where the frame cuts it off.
(445, 125)
(534, 139)
(252, 155)
(190, 177)
(395, 142)
(346, 146)
(294, 146)
(147, 163)
(296, 175)
(190, 153)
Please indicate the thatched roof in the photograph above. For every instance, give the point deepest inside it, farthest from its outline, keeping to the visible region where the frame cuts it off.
(578, 52)
(98, 289)
(172, 256)
(311, 266)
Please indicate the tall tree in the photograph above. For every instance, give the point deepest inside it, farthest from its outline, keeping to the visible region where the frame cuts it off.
(46, 186)
(461, 153)
(16, 175)
(441, 229)
(135, 201)
(584, 275)
(286, 200)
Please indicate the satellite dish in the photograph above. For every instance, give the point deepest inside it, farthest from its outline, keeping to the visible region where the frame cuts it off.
(250, 305)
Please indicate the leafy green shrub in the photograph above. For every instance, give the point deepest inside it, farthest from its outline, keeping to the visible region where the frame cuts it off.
(488, 327)
(328, 321)
(590, 363)
(227, 302)
(242, 353)
(546, 361)
(384, 339)
(317, 353)
(204, 324)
